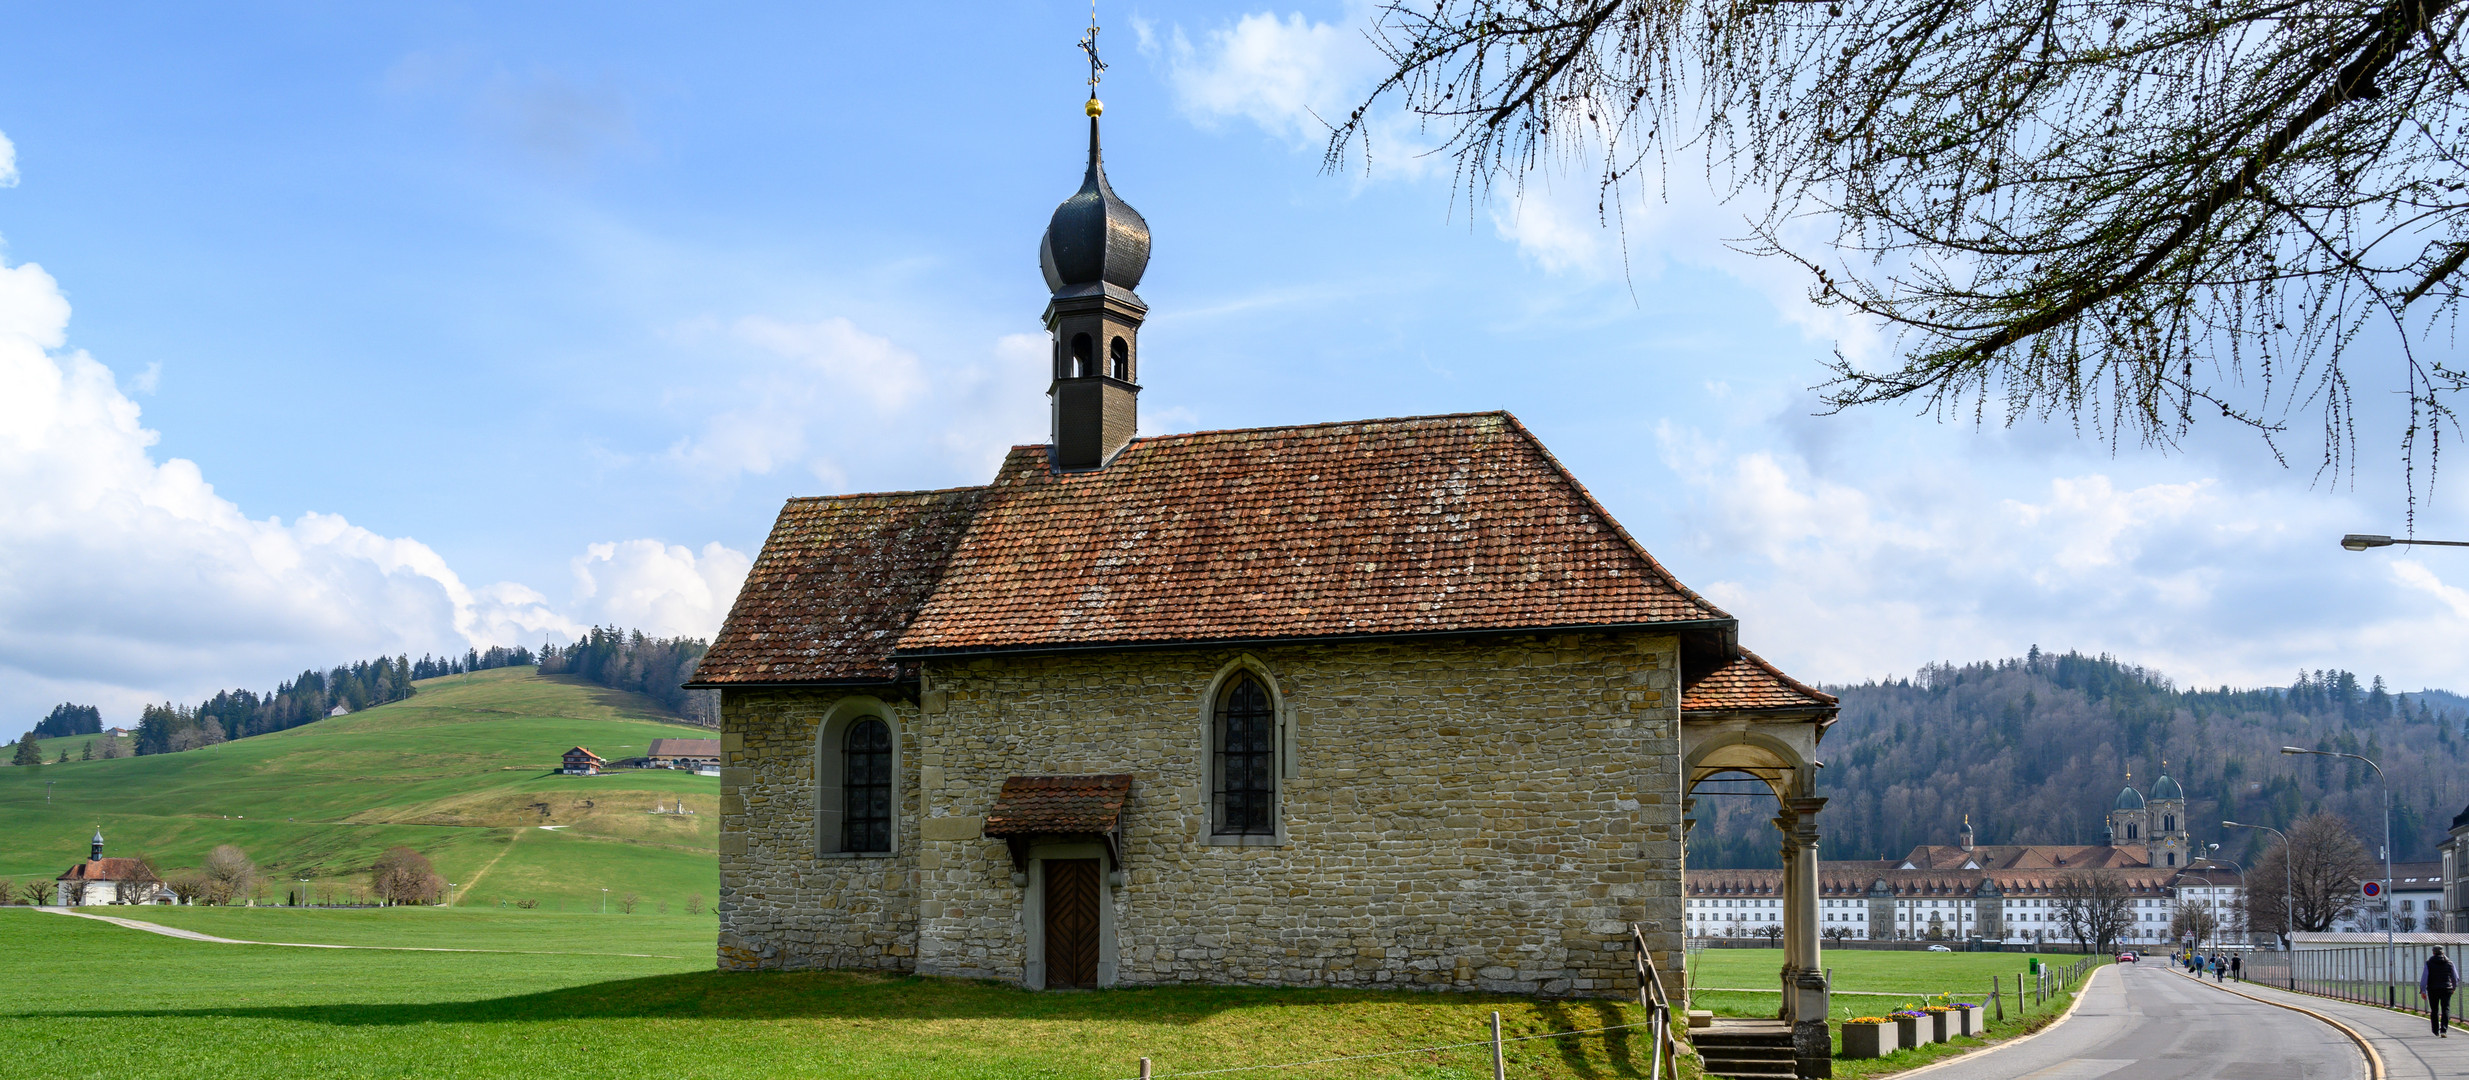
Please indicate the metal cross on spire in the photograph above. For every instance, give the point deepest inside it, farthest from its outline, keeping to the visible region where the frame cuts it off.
(1088, 44)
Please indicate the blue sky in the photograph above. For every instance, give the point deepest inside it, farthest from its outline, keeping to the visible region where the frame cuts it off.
(339, 331)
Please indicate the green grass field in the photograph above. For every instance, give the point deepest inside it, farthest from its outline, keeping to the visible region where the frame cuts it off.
(100, 998)
(1907, 979)
(461, 771)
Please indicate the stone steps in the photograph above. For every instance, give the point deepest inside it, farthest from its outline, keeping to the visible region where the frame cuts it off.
(1746, 1051)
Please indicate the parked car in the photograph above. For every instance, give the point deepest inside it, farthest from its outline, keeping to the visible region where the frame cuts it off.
(1939, 948)
(2126, 958)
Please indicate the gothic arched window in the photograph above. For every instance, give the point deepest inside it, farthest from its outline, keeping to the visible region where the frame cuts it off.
(1120, 353)
(866, 787)
(1244, 746)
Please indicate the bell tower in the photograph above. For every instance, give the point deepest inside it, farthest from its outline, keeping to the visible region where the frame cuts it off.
(1094, 251)
(2171, 844)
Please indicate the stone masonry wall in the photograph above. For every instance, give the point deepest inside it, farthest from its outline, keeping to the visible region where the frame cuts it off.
(1487, 814)
(782, 905)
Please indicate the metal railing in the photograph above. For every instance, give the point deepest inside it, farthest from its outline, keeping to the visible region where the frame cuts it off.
(2366, 974)
(1658, 1005)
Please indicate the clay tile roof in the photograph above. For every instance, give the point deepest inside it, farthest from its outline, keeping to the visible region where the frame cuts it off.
(1029, 805)
(838, 580)
(109, 870)
(1425, 524)
(1749, 682)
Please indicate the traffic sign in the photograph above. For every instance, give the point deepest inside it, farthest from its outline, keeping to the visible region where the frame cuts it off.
(2372, 889)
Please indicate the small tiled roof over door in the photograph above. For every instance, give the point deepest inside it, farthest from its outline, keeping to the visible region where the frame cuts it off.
(1033, 805)
(1379, 527)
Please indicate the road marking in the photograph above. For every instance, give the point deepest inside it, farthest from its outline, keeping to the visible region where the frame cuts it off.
(2374, 1061)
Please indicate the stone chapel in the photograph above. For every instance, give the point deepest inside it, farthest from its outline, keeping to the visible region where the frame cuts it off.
(1382, 703)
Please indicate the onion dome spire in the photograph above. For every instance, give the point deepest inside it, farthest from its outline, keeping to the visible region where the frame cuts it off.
(1095, 249)
(1094, 238)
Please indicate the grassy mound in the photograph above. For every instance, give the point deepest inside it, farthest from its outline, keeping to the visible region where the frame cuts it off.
(463, 772)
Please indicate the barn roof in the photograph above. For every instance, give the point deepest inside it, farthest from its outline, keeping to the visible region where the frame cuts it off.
(684, 748)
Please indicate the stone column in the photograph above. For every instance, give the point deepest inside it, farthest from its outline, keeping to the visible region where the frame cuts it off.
(1805, 990)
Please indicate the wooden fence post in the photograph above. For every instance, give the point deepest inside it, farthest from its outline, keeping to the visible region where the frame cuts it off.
(1144, 1069)
(1500, 1066)
(1995, 1001)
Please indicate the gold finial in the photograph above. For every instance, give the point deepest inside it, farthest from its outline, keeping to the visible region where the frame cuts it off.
(1095, 107)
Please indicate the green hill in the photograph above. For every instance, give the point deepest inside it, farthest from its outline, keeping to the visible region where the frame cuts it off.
(463, 771)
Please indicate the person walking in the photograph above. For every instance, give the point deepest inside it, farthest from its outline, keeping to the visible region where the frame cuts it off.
(2435, 983)
(2237, 966)
(2220, 967)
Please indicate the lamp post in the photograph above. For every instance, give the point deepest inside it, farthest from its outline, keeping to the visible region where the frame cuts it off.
(2215, 889)
(2288, 906)
(2363, 541)
(2390, 993)
(604, 901)
(304, 892)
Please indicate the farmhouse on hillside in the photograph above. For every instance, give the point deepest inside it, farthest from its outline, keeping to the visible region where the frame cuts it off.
(110, 881)
(1385, 703)
(581, 762)
(683, 754)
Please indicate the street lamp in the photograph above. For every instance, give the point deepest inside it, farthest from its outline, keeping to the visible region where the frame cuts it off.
(604, 901)
(2363, 541)
(2391, 993)
(2215, 889)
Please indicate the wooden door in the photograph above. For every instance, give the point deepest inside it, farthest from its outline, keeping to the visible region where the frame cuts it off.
(1071, 923)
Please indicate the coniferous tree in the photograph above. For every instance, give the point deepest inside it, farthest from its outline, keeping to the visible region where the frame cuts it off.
(29, 752)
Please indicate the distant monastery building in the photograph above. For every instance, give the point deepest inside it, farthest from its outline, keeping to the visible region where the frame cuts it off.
(1989, 892)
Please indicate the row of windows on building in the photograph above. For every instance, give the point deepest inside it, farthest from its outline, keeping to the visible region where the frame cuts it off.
(1243, 771)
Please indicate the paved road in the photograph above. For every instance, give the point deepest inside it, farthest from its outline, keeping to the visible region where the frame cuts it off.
(2410, 1050)
(2144, 1023)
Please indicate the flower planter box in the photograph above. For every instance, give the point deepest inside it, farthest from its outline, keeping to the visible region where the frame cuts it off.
(1941, 1026)
(1910, 1031)
(1975, 1020)
(1869, 1040)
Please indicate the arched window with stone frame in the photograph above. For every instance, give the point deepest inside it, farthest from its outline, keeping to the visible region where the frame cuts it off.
(1245, 759)
(857, 781)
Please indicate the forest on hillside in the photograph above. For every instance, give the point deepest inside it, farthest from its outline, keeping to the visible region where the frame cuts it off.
(2036, 750)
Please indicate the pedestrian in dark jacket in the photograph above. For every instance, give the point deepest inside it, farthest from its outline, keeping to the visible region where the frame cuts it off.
(2435, 984)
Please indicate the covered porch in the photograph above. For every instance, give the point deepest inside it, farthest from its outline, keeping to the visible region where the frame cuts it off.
(1746, 720)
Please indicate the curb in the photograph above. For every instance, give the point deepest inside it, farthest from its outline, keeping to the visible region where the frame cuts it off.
(2374, 1061)
(1967, 1056)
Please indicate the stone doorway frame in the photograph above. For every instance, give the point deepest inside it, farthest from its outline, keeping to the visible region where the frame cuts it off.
(1033, 911)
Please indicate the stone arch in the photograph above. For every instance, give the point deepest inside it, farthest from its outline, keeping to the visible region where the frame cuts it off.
(829, 769)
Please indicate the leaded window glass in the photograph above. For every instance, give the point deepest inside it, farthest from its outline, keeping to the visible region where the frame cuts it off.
(1246, 735)
(866, 784)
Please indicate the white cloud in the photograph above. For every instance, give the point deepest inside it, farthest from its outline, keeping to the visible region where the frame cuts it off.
(1289, 76)
(125, 579)
(848, 406)
(8, 161)
(1927, 559)
(665, 590)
